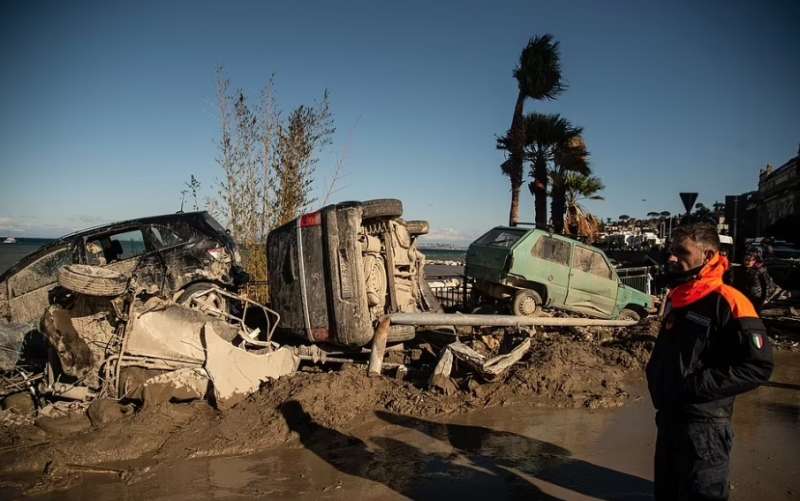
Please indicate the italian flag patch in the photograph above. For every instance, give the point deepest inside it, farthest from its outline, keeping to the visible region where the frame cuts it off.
(758, 341)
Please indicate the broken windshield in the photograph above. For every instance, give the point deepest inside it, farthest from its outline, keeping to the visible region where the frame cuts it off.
(501, 237)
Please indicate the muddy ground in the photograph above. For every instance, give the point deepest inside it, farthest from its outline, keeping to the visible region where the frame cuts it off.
(568, 368)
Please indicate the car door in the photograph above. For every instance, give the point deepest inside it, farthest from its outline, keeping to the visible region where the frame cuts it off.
(592, 285)
(549, 265)
(28, 289)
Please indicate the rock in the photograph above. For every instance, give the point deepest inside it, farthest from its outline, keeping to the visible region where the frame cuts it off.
(443, 384)
(20, 403)
(103, 411)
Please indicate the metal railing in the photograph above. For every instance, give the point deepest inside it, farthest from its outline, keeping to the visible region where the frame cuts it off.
(453, 292)
(639, 278)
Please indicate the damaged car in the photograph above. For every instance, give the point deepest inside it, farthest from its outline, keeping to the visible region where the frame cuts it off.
(336, 272)
(528, 268)
(176, 255)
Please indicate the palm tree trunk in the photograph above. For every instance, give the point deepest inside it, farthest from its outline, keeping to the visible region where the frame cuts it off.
(558, 207)
(515, 159)
(539, 190)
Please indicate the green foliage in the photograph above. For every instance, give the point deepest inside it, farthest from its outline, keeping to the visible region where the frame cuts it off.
(539, 71)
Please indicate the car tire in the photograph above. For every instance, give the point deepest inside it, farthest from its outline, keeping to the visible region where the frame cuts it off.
(418, 227)
(212, 300)
(92, 280)
(526, 303)
(628, 314)
(381, 207)
(401, 333)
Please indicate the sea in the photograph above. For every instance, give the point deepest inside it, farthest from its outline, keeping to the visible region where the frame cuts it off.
(444, 254)
(11, 253)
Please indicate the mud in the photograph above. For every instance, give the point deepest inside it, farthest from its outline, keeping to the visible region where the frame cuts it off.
(515, 451)
(564, 369)
(340, 435)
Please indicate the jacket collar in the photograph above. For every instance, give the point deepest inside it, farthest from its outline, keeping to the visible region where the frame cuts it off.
(708, 280)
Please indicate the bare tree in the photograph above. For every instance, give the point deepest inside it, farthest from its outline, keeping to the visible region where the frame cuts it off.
(268, 165)
(307, 130)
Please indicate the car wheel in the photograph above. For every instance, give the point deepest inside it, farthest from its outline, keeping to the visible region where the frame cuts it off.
(211, 303)
(92, 280)
(381, 207)
(628, 314)
(526, 302)
(418, 227)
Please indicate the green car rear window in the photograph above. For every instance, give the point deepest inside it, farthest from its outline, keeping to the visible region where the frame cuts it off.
(500, 237)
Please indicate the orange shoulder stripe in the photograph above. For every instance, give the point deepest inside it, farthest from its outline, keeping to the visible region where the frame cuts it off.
(741, 307)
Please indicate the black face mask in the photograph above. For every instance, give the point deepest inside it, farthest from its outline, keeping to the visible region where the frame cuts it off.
(677, 277)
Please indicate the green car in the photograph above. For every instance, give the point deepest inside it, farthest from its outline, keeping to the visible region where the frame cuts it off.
(532, 268)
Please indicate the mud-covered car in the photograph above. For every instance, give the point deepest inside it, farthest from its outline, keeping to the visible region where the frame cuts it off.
(335, 272)
(175, 255)
(528, 268)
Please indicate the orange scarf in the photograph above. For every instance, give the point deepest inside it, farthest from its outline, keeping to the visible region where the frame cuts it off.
(708, 280)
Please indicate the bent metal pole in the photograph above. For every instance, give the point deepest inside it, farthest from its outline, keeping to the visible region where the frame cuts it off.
(500, 320)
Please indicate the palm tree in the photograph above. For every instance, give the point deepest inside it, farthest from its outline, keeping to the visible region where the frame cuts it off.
(570, 157)
(579, 187)
(538, 77)
(547, 139)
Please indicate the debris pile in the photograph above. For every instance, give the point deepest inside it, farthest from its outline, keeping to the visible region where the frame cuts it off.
(136, 348)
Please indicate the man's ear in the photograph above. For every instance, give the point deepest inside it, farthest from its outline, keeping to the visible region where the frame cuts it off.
(708, 254)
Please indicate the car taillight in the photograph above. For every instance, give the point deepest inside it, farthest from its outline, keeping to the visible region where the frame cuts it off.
(217, 253)
(313, 219)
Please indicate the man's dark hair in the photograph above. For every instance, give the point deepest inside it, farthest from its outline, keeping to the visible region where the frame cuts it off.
(704, 234)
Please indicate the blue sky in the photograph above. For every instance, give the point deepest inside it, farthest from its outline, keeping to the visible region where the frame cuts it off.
(107, 108)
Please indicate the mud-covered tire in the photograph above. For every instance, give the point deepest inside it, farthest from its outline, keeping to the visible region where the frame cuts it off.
(381, 207)
(216, 301)
(526, 303)
(628, 314)
(418, 227)
(92, 280)
(401, 333)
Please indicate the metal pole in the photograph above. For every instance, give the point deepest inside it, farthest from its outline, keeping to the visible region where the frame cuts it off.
(500, 320)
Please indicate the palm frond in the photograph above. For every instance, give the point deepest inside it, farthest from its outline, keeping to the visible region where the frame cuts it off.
(539, 70)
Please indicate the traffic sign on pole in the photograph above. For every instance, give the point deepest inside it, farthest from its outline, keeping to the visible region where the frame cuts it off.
(688, 200)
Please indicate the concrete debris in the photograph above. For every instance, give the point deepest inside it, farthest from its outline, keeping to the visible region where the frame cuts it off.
(488, 367)
(176, 386)
(235, 373)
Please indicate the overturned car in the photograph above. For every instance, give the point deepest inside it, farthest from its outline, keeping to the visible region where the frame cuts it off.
(335, 272)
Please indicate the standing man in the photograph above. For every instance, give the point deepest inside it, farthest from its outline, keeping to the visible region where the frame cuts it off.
(712, 346)
(754, 280)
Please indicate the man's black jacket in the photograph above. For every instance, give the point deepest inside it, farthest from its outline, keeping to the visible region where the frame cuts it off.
(708, 351)
(755, 283)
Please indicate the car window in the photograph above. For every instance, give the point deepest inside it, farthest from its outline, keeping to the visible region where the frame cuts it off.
(590, 261)
(552, 249)
(43, 271)
(119, 246)
(500, 237)
(169, 236)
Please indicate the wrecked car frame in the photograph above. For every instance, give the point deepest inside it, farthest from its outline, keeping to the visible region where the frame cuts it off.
(174, 255)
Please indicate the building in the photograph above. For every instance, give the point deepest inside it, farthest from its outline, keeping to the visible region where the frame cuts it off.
(771, 211)
(779, 200)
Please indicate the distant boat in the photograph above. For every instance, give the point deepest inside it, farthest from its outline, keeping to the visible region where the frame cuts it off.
(10, 240)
